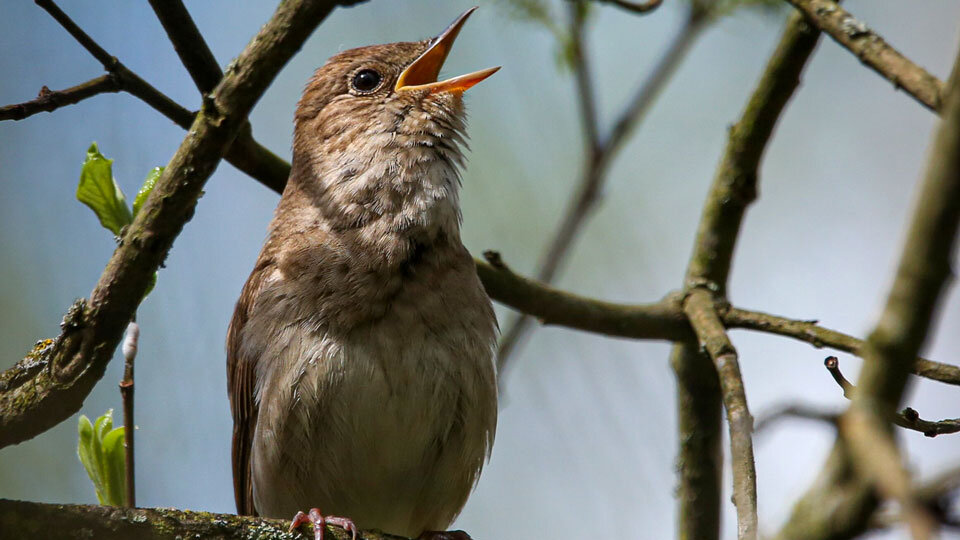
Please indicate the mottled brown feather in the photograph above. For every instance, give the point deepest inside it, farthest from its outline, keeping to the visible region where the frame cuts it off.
(240, 388)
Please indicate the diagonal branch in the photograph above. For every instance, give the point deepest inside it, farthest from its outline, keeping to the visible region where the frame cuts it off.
(922, 275)
(892, 347)
(601, 150)
(76, 360)
(701, 310)
(189, 43)
(872, 50)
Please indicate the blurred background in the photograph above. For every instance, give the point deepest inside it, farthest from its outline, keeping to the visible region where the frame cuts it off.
(586, 439)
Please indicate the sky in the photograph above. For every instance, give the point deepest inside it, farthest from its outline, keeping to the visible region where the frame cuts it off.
(586, 436)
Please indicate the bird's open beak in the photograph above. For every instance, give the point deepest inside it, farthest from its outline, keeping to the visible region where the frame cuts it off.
(422, 73)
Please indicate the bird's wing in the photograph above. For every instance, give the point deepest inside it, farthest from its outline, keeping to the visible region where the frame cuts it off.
(241, 372)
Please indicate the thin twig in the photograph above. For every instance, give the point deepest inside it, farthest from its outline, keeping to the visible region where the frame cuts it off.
(712, 336)
(872, 50)
(93, 328)
(832, 363)
(600, 153)
(50, 100)
(806, 412)
(643, 7)
(130, 344)
(908, 418)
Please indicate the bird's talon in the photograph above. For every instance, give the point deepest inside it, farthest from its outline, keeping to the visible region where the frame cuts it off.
(319, 522)
(298, 520)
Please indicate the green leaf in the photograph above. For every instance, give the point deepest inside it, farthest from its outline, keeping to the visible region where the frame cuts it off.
(101, 452)
(150, 286)
(98, 190)
(114, 467)
(86, 453)
(145, 190)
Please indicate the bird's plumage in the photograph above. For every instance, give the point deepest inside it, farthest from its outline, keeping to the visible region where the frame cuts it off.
(360, 352)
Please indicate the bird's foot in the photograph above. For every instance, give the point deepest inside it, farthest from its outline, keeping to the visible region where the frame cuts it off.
(444, 535)
(320, 522)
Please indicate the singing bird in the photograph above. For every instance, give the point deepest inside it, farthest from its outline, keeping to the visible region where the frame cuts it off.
(360, 354)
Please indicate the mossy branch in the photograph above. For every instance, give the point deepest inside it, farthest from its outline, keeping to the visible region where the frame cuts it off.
(21, 519)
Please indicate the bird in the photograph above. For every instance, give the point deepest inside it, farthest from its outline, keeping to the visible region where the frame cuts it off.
(360, 355)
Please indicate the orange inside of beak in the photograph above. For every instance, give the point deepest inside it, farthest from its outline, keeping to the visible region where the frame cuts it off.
(422, 73)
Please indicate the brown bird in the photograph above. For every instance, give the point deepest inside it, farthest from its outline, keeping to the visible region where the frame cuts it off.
(360, 354)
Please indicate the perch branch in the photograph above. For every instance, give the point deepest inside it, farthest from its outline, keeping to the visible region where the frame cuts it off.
(21, 519)
(872, 50)
(601, 150)
(712, 336)
(92, 329)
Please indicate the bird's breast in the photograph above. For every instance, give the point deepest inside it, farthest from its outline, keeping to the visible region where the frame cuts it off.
(389, 421)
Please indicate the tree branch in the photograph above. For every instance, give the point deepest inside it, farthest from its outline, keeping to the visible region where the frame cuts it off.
(245, 153)
(892, 347)
(50, 100)
(600, 153)
(907, 418)
(712, 336)
(92, 329)
(131, 340)
(19, 519)
(872, 50)
(734, 188)
(818, 336)
(189, 43)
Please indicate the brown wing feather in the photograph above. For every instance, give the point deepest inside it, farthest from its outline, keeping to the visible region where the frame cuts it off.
(240, 388)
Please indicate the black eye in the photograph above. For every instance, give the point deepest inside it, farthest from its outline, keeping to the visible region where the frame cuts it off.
(366, 80)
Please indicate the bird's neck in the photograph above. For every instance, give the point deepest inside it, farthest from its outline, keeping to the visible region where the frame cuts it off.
(387, 205)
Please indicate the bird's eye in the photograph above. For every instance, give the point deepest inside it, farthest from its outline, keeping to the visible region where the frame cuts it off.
(366, 80)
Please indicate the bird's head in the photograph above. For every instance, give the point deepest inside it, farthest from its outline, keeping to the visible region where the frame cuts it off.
(375, 128)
